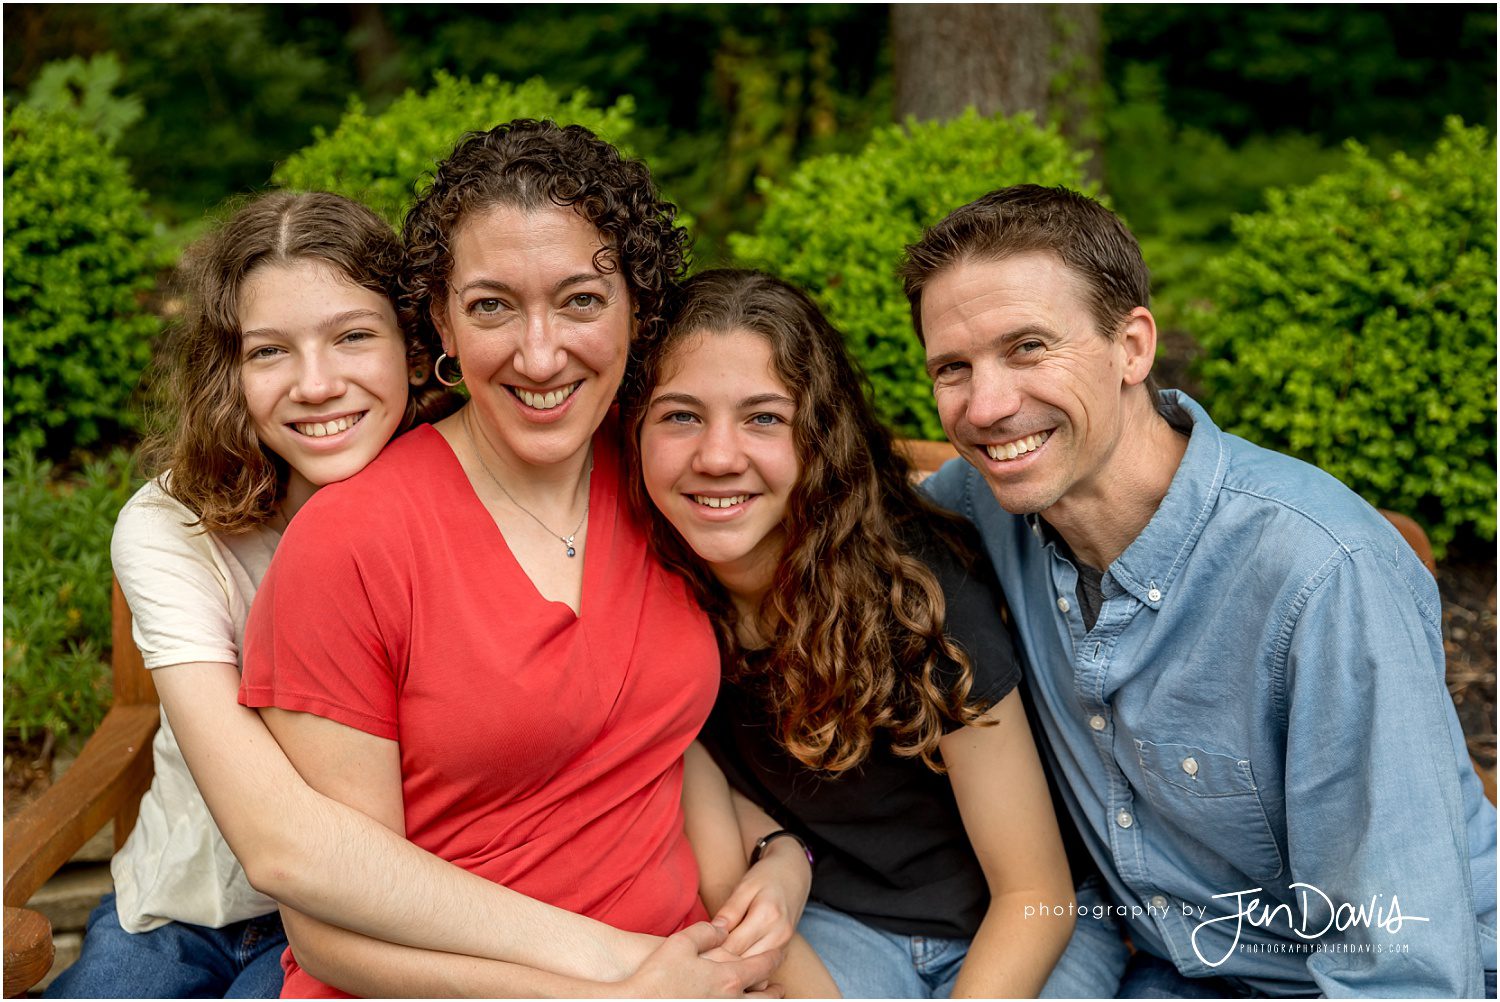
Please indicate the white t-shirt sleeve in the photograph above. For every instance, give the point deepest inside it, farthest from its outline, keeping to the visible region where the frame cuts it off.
(175, 582)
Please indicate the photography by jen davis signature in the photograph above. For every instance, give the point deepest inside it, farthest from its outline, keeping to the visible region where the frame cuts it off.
(1341, 917)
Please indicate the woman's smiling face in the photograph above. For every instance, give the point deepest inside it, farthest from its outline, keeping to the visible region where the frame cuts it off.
(541, 333)
(717, 453)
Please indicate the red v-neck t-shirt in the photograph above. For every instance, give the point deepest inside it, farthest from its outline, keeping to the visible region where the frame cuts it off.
(539, 749)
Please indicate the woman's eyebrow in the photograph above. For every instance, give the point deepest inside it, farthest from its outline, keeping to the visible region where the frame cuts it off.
(499, 286)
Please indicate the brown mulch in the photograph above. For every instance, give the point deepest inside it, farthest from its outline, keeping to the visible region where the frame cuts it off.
(1468, 591)
(28, 770)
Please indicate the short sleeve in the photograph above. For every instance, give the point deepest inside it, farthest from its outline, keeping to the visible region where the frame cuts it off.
(314, 642)
(178, 595)
(974, 618)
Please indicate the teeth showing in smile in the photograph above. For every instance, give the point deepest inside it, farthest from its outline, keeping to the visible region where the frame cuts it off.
(320, 429)
(545, 401)
(721, 502)
(1010, 450)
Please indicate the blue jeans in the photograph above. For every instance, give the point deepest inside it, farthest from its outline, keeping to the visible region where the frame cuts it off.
(1150, 977)
(1094, 961)
(871, 963)
(239, 961)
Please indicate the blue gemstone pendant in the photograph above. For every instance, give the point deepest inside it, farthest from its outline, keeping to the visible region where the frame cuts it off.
(572, 552)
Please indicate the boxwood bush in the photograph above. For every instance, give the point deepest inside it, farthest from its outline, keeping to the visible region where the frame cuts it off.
(1353, 325)
(80, 261)
(838, 225)
(385, 160)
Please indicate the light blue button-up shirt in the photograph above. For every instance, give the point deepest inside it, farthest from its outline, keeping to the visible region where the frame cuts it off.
(1258, 726)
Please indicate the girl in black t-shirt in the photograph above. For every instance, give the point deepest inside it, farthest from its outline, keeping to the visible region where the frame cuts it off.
(870, 701)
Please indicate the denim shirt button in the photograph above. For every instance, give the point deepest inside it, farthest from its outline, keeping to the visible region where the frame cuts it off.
(1124, 820)
(1158, 902)
(1097, 722)
(1154, 594)
(1062, 603)
(1190, 766)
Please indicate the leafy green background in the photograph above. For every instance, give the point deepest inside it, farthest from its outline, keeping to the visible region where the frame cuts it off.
(1332, 301)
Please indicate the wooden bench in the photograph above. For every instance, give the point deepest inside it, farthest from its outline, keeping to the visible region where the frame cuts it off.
(105, 783)
(113, 772)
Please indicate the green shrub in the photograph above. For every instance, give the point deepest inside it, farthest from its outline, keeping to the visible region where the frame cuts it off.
(385, 160)
(839, 224)
(57, 574)
(79, 260)
(1353, 326)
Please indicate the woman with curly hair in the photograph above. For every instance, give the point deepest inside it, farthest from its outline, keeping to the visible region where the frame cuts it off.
(869, 701)
(470, 641)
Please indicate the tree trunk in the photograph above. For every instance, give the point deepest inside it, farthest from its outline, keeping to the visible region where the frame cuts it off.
(1042, 58)
(377, 51)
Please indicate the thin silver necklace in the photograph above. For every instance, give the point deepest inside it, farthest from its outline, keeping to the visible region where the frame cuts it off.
(567, 540)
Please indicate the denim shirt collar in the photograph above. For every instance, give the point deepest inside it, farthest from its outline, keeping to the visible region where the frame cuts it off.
(1149, 566)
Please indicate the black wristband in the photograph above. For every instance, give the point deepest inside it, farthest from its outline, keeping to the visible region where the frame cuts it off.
(766, 840)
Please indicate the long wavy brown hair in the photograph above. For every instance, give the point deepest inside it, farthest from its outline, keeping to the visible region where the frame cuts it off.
(204, 435)
(855, 618)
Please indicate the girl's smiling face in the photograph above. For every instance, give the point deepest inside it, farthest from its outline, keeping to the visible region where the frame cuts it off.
(323, 370)
(718, 459)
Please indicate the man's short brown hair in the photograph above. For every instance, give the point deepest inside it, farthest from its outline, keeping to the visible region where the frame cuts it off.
(1027, 218)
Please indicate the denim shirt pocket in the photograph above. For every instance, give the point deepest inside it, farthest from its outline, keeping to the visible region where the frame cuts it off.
(1213, 799)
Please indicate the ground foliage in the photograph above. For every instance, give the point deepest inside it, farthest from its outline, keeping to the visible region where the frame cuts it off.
(57, 589)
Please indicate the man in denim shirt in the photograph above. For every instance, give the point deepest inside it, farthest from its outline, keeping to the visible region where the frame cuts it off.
(1236, 663)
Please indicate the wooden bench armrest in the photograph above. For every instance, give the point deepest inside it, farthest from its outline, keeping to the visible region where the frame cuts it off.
(28, 950)
(107, 780)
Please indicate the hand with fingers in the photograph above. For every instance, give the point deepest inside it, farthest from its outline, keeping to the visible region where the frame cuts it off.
(684, 966)
(763, 911)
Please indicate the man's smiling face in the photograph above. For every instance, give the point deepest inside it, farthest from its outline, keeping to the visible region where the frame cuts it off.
(1028, 388)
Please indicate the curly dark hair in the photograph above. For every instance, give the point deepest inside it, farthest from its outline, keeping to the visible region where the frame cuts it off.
(854, 615)
(204, 435)
(530, 164)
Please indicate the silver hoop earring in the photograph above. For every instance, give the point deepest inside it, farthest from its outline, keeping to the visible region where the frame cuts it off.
(437, 370)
